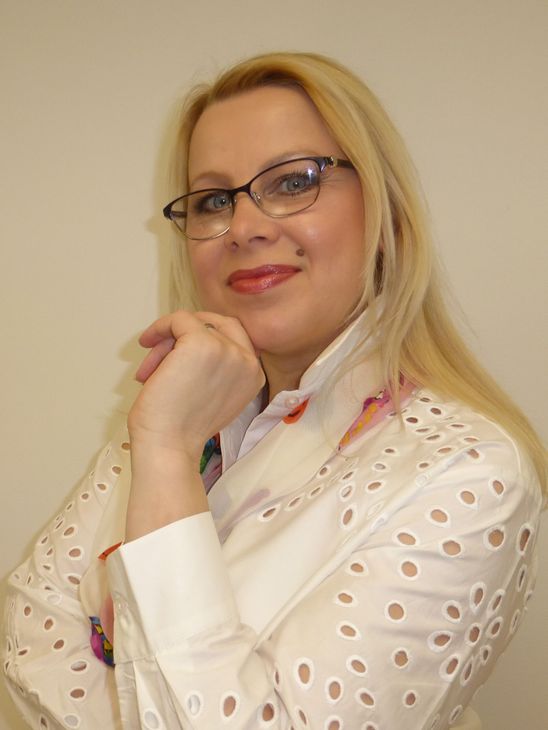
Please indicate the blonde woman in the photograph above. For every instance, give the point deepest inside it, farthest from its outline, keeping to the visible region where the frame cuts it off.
(355, 545)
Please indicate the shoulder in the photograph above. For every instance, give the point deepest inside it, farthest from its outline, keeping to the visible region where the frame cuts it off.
(453, 433)
(442, 458)
(439, 432)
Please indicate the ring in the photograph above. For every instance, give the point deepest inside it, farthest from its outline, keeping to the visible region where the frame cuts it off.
(209, 325)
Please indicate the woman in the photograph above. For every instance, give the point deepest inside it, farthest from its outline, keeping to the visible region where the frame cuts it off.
(355, 545)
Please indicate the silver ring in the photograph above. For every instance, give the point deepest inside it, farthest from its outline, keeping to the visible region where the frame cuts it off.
(209, 326)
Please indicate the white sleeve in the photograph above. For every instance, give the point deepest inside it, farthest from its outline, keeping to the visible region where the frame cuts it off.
(399, 635)
(178, 640)
(53, 675)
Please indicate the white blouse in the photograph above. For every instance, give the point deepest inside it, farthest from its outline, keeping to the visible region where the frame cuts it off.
(368, 587)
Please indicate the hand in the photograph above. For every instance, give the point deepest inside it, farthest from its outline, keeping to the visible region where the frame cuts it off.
(195, 381)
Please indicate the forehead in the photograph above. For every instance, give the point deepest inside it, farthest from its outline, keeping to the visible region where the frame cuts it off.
(238, 136)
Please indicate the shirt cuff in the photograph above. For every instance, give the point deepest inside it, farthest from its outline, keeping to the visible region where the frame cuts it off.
(169, 586)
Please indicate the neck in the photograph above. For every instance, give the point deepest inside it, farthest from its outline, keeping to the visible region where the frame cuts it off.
(284, 370)
(284, 373)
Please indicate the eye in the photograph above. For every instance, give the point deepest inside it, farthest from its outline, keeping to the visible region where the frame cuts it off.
(294, 183)
(210, 201)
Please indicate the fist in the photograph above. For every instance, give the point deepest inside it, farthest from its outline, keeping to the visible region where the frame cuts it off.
(196, 380)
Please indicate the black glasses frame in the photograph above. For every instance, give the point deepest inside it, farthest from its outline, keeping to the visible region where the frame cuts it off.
(322, 162)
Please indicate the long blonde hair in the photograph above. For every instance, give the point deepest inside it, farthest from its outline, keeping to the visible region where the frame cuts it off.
(401, 281)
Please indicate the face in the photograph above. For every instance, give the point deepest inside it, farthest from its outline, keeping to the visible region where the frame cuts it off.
(316, 255)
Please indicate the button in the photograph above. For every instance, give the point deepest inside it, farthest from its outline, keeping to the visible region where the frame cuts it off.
(292, 402)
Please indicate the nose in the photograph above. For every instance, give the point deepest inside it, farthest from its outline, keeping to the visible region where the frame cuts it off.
(249, 224)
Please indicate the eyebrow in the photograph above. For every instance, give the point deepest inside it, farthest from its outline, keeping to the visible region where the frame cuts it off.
(283, 157)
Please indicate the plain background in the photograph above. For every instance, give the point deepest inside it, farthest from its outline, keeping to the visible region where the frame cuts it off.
(87, 95)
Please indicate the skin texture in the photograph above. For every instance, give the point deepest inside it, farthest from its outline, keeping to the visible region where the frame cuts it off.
(197, 379)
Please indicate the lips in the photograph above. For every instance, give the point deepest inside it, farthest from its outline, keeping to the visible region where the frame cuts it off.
(253, 281)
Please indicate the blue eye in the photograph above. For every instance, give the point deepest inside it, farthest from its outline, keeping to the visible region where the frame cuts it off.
(212, 201)
(296, 182)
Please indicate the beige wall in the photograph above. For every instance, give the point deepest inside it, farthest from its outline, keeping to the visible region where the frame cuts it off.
(86, 91)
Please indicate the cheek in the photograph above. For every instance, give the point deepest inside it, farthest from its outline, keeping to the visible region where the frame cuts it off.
(336, 245)
(314, 235)
(337, 235)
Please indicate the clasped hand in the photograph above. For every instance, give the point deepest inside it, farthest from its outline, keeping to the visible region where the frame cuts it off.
(196, 380)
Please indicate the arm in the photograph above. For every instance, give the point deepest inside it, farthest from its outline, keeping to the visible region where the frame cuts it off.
(52, 674)
(196, 380)
(396, 635)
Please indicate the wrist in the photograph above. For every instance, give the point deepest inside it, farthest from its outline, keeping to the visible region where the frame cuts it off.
(165, 487)
(165, 451)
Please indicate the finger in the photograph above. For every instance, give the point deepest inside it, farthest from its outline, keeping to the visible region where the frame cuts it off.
(228, 327)
(174, 325)
(153, 359)
(181, 323)
(233, 330)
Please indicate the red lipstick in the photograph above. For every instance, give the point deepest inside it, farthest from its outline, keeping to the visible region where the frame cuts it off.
(254, 281)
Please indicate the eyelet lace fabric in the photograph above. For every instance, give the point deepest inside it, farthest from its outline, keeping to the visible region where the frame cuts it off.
(373, 591)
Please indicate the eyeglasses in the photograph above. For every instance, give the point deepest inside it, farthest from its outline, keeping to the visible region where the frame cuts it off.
(279, 191)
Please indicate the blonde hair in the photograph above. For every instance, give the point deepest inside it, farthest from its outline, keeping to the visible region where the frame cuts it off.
(401, 281)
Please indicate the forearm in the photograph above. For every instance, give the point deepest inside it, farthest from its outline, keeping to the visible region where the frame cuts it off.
(166, 486)
(49, 600)
(180, 646)
(196, 380)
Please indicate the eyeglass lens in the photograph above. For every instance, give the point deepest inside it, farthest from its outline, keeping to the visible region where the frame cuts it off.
(279, 191)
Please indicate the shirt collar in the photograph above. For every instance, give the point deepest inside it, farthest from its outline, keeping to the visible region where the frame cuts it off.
(239, 437)
(329, 360)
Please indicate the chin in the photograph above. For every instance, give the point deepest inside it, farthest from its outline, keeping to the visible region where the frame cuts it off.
(277, 340)
(265, 342)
